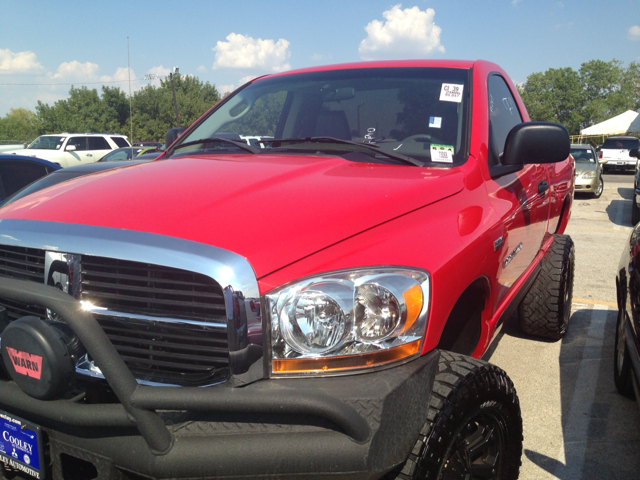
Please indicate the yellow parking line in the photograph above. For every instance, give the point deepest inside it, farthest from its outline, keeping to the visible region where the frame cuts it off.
(595, 302)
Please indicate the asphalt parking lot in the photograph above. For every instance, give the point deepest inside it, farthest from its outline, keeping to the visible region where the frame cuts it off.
(576, 425)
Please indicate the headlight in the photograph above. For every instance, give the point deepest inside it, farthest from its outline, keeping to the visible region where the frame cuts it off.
(346, 320)
(588, 175)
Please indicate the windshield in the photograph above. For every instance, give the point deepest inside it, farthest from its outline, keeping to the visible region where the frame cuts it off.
(47, 142)
(121, 154)
(411, 112)
(621, 143)
(583, 155)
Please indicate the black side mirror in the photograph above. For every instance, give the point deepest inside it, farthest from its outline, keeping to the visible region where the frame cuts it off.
(634, 153)
(172, 135)
(536, 142)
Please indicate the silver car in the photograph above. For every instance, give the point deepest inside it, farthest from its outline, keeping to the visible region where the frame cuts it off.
(588, 170)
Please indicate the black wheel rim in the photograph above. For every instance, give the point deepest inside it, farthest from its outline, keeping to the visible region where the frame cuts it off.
(478, 450)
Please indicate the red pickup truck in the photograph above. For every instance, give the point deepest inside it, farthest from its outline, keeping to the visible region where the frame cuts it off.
(301, 285)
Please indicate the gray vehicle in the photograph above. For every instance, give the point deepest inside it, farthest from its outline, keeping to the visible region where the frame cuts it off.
(588, 170)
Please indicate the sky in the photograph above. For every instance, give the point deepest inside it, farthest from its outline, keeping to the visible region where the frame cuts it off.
(45, 47)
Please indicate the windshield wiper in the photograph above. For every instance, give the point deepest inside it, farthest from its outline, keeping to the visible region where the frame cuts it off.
(368, 146)
(237, 143)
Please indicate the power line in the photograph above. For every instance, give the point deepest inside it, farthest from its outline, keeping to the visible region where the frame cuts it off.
(65, 84)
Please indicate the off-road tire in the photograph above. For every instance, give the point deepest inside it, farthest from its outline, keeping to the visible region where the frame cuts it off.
(545, 310)
(473, 425)
(635, 211)
(600, 189)
(622, 361)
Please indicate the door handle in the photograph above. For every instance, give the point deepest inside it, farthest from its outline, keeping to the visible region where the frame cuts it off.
(89, 155)
(543, 186)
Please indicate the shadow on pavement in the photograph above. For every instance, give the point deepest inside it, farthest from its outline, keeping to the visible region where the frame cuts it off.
(601, 428)
(616, 211)
(626, 193)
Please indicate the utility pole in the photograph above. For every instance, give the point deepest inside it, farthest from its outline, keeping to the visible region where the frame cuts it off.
(176, 70)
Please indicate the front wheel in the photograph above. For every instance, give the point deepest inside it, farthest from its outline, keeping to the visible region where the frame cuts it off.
(600, 189)
(473, 428)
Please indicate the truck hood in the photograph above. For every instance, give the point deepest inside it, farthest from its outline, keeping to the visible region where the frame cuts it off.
(272, 209)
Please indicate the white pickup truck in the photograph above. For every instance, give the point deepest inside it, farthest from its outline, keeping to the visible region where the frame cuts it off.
(615, 151)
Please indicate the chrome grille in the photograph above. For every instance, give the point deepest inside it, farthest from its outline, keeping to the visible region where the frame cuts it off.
(153, 290)
(181, 337)
(24, 264)
(167, 324)
(169, 352)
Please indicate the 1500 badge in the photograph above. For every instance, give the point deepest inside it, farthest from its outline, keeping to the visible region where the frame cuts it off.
(511, 255)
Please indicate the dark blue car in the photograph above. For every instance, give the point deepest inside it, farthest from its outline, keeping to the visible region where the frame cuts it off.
(16, 171)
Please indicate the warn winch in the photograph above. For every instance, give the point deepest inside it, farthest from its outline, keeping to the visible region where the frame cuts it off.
(40, 356)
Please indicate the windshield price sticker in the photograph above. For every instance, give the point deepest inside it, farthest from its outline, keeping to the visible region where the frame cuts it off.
(442, 153)
(20, 445)
(451, 92)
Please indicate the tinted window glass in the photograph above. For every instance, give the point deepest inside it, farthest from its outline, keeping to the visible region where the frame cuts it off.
(16, 175)
(43, 182)
(47, 142)
(408, 111)
(621, 143)
(79, 142)
(121, 154)
(120, 142)
(98, 143)
(503, 115)
(583, 155)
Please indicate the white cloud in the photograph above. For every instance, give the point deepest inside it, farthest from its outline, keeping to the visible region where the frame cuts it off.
(245, 52)
(228, 88)
(21, 62)
(222, 89)
(634, 33)
(201, 69)
(404, 34)
(76, 71)
(320, 57)
(515, 2)
(160, 70)
(246, 79)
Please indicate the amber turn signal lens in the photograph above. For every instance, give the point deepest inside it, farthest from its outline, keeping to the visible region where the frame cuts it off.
(414, 301)
(345, 362)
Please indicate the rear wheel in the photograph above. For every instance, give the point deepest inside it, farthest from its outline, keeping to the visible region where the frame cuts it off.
(545, 310)
(622, 361)
(474, 426)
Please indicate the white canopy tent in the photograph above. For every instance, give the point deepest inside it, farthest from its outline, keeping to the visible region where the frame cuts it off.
(627, 122)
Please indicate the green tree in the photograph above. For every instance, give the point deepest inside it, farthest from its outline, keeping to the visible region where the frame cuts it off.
(554, 96)
(153, 114)
(153, 111)
(19, 125)
(598, 91)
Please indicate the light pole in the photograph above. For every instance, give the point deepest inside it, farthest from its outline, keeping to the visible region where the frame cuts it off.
(176, 71)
